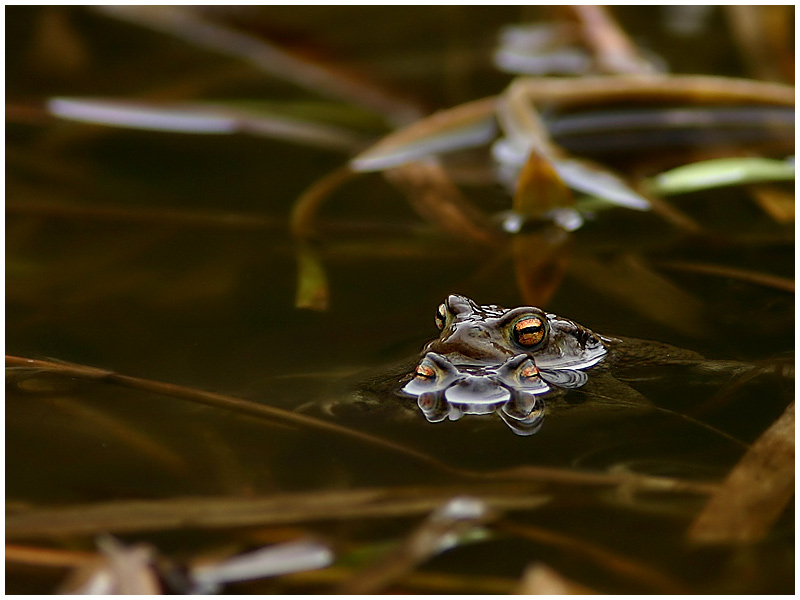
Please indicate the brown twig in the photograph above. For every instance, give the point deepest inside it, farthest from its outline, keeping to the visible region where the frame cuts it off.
(665, 88)
(765, 38)
(756, 491)
(613, 49)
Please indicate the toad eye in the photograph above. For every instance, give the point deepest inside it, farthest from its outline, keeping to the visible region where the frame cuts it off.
(441, 316)
(529, 331)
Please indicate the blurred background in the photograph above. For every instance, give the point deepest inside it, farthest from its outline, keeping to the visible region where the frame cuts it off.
(178, 209)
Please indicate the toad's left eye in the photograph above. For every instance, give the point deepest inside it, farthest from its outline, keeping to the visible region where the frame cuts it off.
(424, 371)
(529, 331)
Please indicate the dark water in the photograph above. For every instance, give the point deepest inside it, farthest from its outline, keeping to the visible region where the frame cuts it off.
(211, 305)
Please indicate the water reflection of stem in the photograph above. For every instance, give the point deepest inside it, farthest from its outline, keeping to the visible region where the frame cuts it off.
(524, 473)
(754, 277)
(621, 565)
(155, 451)
(304, 211)
(427, 581)
(616, 401)
(312, 284)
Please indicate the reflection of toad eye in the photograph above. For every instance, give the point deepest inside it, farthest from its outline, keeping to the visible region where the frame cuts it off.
(424, 371)
(441, 316)
(529, 331)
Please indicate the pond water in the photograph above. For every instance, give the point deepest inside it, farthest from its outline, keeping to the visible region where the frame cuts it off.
(121, 254)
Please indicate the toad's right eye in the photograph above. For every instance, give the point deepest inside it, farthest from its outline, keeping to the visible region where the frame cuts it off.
(441, 316)
(529, 332)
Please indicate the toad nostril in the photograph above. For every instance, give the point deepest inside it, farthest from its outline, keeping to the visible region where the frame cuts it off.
(479, 332)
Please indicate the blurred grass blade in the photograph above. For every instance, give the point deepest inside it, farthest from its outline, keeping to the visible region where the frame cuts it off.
(600, 183)
(312, 283)
(464, 126)
(138, 115)
(434, 196)
(442, 530)
(777, 203)
(540, 579)
(278, 559)
(755, 493)
(765, 39)
(608, 130)
(612, 48)
(634, 285)
(539, 188)
(581, 91)
(121, 570)
(203, 119)
(183, 22)
(540, 49)
(720, 173)
(562, 61)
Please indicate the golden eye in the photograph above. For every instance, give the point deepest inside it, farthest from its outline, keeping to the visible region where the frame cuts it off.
(441, 316)
(529, 331)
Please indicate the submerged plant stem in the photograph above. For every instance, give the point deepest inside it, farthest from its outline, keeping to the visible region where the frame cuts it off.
(621, 565)
(207, 398)
(632, 481)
